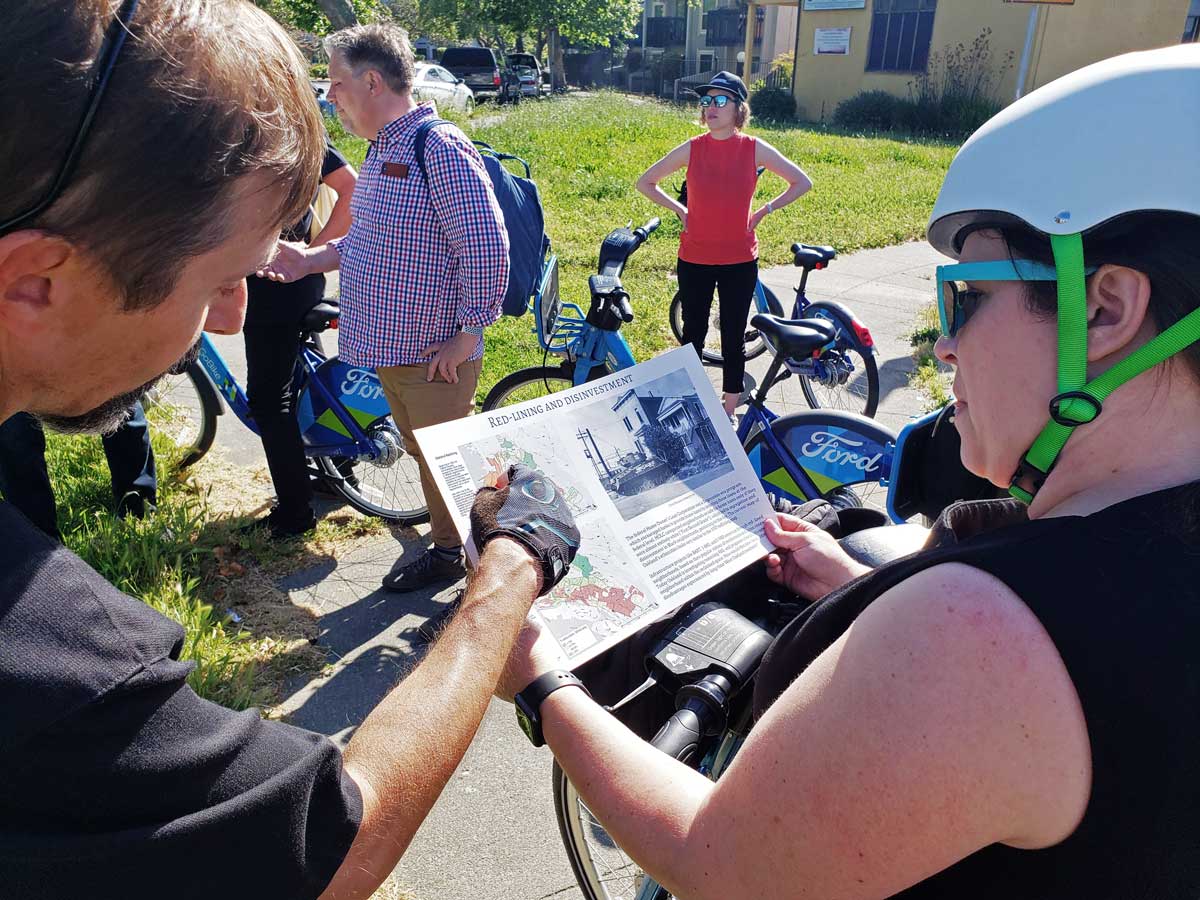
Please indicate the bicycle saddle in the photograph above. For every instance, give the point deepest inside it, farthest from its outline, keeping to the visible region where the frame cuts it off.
(323, 315)
(794, 337)
(812, 256)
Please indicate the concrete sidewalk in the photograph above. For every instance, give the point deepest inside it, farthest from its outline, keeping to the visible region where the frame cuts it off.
(493, 833)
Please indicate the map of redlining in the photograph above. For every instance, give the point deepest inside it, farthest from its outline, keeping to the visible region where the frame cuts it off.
(600, 597)
(603, 593)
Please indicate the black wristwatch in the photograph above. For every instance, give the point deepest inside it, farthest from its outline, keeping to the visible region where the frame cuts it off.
(529, 701)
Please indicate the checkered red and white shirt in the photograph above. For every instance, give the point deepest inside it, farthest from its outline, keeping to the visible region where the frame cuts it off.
(419, 261)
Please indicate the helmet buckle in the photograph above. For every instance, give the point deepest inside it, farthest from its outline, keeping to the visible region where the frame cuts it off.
(1069, 416)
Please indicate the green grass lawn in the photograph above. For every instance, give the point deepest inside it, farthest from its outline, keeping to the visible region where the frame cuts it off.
(587, 152)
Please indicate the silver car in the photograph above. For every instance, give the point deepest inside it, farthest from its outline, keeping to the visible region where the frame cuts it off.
(432, 82)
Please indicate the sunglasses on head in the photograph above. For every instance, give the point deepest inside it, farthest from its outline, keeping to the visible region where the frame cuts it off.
(957, 301)
(720, 101)
(110, 50)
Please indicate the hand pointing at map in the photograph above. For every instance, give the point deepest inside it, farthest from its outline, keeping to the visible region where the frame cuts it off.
(531, 510)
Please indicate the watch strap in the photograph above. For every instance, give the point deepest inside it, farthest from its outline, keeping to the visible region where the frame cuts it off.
(475, 330)
(529, 701)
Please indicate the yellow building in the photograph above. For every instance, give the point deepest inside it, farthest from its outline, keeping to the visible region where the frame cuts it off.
(844, 47)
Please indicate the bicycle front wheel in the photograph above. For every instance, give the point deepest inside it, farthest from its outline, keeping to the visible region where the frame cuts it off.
(183, 409)
(753, 344)
(603, 870)
(535, 383)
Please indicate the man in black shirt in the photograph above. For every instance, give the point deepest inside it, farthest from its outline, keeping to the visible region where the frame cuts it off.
(161, 146)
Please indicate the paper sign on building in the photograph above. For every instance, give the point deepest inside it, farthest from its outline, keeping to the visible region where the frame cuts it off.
(831, 41)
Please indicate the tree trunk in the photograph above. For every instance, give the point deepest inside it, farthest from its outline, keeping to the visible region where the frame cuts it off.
(339, 12)
(557, 69)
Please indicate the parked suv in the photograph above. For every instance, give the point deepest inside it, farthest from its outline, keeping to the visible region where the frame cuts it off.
(486, 72)
(541, 76)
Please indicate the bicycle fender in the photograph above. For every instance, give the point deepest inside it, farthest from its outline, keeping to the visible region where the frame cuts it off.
(834, 449)
(855, 332)
(356, 388)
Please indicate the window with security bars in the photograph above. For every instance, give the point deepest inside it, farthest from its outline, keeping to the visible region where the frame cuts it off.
(900, 34)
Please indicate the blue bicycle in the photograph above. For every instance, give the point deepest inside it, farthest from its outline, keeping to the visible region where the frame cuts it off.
(841, 374)
(590, 343)
(349, 437)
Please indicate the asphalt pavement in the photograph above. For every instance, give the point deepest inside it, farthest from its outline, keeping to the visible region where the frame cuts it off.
(493, 833)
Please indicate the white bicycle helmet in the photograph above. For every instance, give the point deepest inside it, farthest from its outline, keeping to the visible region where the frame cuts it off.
(1120, 136)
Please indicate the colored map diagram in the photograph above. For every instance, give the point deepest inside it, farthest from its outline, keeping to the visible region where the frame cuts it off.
(601, 600)
(537, 448)
(604, 596)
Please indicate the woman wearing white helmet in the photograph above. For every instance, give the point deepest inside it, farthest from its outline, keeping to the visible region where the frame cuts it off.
(1015, 711)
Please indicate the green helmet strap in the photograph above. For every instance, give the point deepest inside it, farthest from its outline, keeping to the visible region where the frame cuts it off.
(1079, 401)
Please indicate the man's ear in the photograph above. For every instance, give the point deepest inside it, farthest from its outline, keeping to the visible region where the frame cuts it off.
(1118, 302)
(31, 264)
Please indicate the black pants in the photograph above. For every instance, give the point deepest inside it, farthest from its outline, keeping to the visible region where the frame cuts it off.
(26, 483)
(270, 361)
(735, 286)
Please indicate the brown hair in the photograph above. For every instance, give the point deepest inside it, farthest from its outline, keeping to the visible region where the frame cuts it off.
(204, 92)
(382, 47)
(741, 113)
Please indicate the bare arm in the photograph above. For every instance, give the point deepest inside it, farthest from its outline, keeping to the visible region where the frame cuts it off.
(409, 746)
(799, 183)
(294, 260)
(342, 182)
(929, 730)
(647, 185)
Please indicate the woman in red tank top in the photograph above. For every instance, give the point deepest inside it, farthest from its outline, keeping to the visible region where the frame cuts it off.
(718, 248)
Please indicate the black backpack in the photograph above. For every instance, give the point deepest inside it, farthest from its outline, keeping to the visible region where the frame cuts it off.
(523, 219)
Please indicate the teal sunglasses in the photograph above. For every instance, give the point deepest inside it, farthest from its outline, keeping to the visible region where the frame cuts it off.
(720, 101)
(957, 302)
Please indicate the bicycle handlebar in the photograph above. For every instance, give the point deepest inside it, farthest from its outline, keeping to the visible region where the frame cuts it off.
(680, 736)
(624, 307)
(648, 229)
(701, 710)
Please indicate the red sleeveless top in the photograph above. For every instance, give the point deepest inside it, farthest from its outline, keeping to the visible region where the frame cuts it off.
(720, 186)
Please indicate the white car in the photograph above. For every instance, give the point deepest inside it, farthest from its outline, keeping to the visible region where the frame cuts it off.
(432, 82)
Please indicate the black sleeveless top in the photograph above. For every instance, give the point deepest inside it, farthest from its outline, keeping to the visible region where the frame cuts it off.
(1119, 593)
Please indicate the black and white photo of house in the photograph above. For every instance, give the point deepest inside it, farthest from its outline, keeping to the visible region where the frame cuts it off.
(652, 443)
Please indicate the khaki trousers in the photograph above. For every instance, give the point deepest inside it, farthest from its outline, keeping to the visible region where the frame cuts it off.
(417, 403)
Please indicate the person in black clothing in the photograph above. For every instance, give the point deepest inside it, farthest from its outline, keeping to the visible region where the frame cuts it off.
(25, 483)
(162, 145)
(1014, 710)
(272, 333)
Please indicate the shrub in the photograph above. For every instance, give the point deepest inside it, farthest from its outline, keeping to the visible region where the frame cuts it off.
(953, 96)
(785, 63)
(772, 104)
(319, 70)
(868, 111)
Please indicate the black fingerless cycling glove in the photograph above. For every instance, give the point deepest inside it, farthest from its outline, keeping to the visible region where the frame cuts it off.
(533, 511)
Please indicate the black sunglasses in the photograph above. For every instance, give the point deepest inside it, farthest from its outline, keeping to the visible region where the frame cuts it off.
(721, 101)
(114, 40)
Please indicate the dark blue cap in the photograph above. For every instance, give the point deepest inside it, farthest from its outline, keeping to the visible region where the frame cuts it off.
(724, 81)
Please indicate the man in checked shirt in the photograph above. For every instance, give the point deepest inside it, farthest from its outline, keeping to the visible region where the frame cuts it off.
(423, 269)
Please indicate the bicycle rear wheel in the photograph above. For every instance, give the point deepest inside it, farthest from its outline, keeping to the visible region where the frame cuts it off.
(389, 486)
(845, 379)
(183, 409)
(754, 343)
